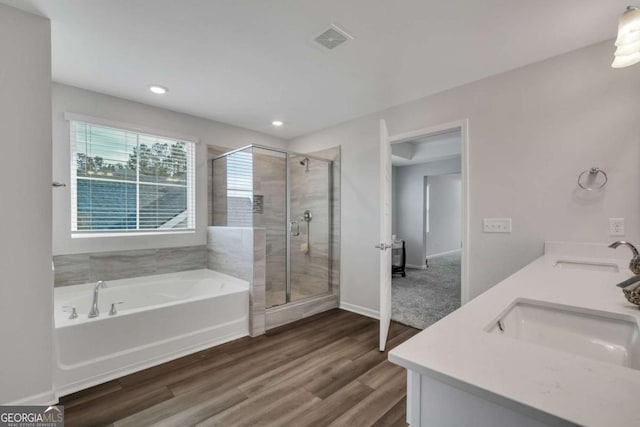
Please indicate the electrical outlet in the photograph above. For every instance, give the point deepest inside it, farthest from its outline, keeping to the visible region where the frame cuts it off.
(497, 225)
(616, 226)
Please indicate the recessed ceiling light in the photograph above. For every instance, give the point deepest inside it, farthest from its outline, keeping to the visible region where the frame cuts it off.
(158, 90)
(277, 123)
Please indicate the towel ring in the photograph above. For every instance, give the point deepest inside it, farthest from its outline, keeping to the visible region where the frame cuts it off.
(592, 173)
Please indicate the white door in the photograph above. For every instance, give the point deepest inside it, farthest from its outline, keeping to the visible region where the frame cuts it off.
(385, 234)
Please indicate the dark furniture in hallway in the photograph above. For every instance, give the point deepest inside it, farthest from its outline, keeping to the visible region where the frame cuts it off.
(398, 258)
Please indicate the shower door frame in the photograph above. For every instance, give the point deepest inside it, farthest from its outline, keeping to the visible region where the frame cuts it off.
(330, 207)
(329, 228)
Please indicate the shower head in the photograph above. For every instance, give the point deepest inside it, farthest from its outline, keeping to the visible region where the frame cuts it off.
(304, 161)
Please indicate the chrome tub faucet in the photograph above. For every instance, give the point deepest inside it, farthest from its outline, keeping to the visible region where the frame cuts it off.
(95, 312)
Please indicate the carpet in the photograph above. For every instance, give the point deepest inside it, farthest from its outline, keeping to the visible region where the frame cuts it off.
(425, 296)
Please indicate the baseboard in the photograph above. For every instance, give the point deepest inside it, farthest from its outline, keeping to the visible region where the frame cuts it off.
(46, 398)
(416, 267)
(439, 254)
(360, 310)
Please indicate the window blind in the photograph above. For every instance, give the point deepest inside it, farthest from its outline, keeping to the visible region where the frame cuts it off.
(125, 181)
(240, 189)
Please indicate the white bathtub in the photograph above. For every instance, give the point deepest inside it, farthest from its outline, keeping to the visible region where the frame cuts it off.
(163, 317)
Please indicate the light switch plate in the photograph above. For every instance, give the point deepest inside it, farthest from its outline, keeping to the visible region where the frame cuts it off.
(497, 225)
(616, 226)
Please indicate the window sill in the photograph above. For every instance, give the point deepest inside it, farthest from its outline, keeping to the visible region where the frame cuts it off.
(129, 234)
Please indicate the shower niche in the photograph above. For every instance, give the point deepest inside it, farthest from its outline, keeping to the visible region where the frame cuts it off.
(289, 202)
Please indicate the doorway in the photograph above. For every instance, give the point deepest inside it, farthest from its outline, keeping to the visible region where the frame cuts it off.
(429, 213)
(427, 229)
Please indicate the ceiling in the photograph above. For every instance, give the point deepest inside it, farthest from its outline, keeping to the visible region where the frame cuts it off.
(249, 62)
(432, 148)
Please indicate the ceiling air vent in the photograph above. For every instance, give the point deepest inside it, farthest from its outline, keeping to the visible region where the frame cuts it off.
(332, 37)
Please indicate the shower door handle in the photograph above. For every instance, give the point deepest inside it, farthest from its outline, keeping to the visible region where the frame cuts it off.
(294, 228)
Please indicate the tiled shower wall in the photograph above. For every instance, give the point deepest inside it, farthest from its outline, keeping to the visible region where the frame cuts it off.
(310, 191)
(91, 267)
(334, 154)
(310, 272)
(240, 252)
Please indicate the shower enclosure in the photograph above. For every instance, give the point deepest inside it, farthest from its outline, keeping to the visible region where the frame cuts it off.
(287, 195)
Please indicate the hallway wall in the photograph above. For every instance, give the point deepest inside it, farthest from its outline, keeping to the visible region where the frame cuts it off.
(409, 206)
(445, 214)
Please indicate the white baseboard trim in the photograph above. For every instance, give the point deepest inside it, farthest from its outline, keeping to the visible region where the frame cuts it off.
(416, 267)
(374, 314)
(46, 398)
(443, 253)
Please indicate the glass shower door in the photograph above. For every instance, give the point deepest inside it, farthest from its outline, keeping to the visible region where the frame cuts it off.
(270, 214)
(310, 227)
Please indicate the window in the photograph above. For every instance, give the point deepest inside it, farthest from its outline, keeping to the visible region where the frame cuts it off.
(125, 181)
(240, 189)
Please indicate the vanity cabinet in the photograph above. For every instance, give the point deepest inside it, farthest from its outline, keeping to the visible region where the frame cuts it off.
(554, 344)
(433, 403)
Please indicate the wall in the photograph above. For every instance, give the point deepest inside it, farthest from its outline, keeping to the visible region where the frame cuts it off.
(241, 252)
(409, 208)
(445, 214)
(80, 101)
(26, 291)
(531, 132)
(91, 267)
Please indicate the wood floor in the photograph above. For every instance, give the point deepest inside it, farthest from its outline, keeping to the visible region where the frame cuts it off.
(322, 371)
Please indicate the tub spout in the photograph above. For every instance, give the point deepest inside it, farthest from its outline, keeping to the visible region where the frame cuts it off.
(95, 312)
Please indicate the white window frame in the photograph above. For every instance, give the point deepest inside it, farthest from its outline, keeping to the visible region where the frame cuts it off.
(191, 176)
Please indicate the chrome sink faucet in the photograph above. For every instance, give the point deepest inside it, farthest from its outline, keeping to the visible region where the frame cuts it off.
(94, 305)
(631, 286)
(634, 264)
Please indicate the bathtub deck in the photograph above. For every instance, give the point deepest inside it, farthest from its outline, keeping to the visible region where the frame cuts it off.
(323, 370)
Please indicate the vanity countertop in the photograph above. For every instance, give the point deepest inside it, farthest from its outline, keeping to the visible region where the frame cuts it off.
(457, 349)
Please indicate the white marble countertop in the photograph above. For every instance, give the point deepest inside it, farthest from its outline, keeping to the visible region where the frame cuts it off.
(457, 349)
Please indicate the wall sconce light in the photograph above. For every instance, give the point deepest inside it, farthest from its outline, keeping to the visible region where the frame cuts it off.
(628, 41)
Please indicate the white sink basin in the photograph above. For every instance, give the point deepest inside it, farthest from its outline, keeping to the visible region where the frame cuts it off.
(606, 337)
(587, 265)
